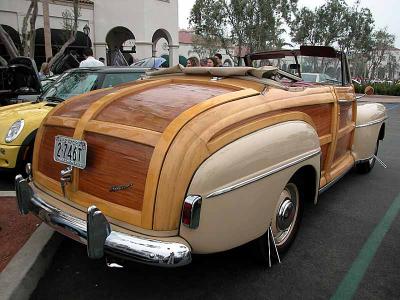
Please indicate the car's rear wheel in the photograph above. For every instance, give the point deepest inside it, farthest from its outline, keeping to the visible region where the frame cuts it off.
(366, 166)
(285, 221)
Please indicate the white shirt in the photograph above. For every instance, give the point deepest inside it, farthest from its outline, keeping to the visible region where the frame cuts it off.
(90, 61)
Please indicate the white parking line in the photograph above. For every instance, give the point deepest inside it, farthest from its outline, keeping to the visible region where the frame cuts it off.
(7, 193)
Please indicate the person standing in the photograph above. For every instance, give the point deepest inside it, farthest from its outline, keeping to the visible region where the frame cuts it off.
(212, 62)
(218, 57)
(90, 61)
(192, 62)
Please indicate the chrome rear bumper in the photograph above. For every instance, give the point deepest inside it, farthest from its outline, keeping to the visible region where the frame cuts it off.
(96, 232)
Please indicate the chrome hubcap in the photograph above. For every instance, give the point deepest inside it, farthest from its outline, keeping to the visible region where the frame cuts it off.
(286, 214)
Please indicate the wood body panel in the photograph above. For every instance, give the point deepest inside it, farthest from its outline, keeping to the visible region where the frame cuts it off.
(154, 109)
(74, 108)
(115, 162)
(342, 146)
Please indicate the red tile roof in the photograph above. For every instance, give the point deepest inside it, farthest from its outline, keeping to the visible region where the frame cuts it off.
(185, 36)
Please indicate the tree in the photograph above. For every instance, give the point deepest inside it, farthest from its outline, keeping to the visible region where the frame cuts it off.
(28, 36)
(70, 22)
(205, 46)
(382, 42)
(322, 26)
(252, 24)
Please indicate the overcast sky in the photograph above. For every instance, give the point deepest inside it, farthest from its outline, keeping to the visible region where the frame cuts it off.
(385, 13)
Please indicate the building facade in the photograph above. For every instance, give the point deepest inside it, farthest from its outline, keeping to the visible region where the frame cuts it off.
(134, 27)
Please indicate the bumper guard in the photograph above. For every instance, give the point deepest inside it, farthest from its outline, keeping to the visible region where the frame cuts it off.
(96, 232)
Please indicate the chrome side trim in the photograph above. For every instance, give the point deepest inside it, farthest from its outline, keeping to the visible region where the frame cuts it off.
(371, 123)
(345, 101)
(261, 176)
(147, 250)
(328, 185)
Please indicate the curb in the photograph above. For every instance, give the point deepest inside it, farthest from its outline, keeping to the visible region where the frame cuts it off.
(7, 193)
(21, 276)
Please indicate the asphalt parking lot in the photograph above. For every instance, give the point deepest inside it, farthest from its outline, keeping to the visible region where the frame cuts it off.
(347, 247)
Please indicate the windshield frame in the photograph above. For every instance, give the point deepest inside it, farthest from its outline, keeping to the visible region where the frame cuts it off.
(309, 51)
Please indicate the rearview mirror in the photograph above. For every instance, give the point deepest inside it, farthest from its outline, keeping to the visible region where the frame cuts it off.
(369, 90)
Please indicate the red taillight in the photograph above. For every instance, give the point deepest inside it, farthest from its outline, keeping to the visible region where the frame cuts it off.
(186, 213)
(191, 211)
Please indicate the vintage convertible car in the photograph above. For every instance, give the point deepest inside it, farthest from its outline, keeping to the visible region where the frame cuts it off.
(198, 160)
(19, 122)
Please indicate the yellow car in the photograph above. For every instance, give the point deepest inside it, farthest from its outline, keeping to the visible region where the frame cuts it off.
(19, 122)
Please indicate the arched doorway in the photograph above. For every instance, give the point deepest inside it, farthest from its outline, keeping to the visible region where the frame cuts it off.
(120, 44)
(58, 38)
(14, 36)
(161, 35)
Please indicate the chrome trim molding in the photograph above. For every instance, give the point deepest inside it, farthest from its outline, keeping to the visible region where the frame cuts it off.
(345, 101)
(96, 232)
(371, 123)
(363, 160)
(195, 203)
(261, 176)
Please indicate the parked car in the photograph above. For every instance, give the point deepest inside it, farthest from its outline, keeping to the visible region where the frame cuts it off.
(150, 62)
(19, 122)
(198, 160)
(19, 80)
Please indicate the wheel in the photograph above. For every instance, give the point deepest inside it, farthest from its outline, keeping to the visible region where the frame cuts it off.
(366, 166)
(285, 221)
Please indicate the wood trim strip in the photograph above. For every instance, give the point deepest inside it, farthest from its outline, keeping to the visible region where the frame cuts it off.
(134, 134)
(124, 213)
(62, 122)
(346, 130)
(326, 139)
(334, 129)
(206, 83)
(166, 140)
(218, 141)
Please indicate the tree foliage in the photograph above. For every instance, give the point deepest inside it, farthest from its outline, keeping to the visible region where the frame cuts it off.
(351, 29)
(70, 23)
(248, 24)
(382, 42)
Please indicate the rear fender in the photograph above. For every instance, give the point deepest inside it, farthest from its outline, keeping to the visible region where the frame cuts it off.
(240, 184)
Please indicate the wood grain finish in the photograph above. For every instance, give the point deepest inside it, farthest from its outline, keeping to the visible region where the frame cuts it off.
(346, 114)
(342, 146)
(74, 108)
(324, 154)
(155, 108)
(115, 162)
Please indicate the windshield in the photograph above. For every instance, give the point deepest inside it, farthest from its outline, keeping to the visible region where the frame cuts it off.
(312, 68)
(71, 84)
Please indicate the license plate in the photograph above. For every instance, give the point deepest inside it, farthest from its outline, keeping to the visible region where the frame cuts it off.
(70, 151)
